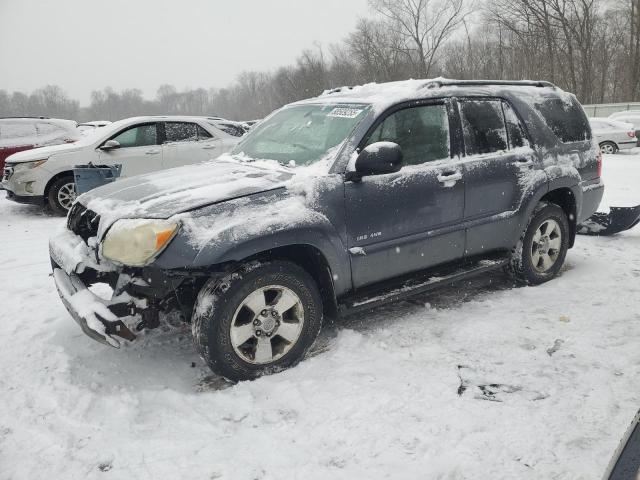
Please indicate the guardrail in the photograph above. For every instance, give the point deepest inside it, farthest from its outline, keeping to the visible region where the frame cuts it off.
(606, 109)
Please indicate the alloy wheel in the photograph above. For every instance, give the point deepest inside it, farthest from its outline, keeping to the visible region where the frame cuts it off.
(267, 324)
(607, 148)
(67, 195)
(546, 246)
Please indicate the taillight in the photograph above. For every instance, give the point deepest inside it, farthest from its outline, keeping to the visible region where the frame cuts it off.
(631, 134)
(599, 159)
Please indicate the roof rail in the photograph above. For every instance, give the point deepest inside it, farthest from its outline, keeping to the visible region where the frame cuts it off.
(522, 83)
(336, 90)
(39, 118)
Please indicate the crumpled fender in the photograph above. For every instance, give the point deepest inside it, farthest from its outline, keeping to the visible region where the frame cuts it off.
(235, 230)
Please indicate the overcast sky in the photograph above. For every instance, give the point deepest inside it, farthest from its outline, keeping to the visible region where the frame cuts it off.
(84, 45)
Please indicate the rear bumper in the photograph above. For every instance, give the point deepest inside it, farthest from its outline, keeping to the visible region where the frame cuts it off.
(627, 145)
(591, 197)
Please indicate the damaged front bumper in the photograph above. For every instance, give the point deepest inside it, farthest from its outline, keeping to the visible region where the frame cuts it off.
(138, 295)
(96, 316)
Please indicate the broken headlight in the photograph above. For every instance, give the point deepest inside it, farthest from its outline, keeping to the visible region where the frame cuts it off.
(136, 242)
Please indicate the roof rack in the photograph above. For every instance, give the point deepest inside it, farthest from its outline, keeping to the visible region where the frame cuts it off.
(521, 83)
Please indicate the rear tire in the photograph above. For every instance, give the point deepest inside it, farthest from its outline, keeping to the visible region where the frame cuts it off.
(609, 148)
(542, 249)
(61, 195)
(259, 320)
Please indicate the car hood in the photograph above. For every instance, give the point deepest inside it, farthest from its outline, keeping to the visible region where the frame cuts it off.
(177, 190)
(43, 152)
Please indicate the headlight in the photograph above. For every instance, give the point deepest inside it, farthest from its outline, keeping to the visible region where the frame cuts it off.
(17, 167)
(135, 242)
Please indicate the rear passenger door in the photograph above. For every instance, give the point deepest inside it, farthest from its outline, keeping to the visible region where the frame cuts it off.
(497, 160)
(412, 219)
(185, 143)
(139, 151)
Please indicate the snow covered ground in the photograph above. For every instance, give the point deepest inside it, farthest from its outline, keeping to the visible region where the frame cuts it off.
(478, 381)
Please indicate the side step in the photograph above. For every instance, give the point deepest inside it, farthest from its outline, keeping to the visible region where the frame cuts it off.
(376, 295)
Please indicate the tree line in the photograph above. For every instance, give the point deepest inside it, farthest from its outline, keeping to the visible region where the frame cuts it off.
(588, 47)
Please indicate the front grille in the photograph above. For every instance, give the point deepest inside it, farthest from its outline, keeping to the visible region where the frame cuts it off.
(8, 171)
(83, 222)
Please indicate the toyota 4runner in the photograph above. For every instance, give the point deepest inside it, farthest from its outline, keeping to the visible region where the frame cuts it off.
(338, 203)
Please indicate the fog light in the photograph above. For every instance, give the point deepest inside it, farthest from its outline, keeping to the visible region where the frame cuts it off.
(29, 186)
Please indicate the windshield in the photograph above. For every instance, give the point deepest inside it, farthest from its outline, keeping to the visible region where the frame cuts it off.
(302, 133)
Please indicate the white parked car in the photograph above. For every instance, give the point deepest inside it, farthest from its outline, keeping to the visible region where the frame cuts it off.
(613, 135)
(140, 145)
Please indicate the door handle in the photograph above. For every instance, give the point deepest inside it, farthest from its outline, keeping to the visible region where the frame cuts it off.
(152, 152)
(209, 147)
(449, 178)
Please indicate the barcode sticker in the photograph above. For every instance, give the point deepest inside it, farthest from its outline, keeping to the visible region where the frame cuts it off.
(344, 112)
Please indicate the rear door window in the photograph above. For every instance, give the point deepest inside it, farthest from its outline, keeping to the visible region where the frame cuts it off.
(48, 129)
(203, 134)
(483, 126)
(565, 118)
(233, 130)
(180, 132)
(138, 136)
(422, 133)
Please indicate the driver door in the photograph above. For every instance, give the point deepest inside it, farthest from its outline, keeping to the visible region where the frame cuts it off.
(409, 220)
(139, 151)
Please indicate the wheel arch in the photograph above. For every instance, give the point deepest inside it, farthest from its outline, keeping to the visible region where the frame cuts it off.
(565, 198)
(314, 262)
(64, 173)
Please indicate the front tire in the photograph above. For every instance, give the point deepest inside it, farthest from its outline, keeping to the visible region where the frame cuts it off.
(61, 195)
(541, 251)
(259, 320)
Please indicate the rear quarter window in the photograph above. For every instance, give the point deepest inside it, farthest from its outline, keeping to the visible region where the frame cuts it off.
(49, 129)
(565, 118)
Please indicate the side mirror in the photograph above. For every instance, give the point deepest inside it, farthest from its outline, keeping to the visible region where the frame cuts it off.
(110, 145)
(377, 159)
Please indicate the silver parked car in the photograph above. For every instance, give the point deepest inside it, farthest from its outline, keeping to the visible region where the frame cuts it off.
(628, 116)
(613, 135)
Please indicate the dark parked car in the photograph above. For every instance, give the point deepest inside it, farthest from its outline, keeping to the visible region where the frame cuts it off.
(25, 133)
(331, 205)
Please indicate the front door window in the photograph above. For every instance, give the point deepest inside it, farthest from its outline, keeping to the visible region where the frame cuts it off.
(138, 136)
(422, 133)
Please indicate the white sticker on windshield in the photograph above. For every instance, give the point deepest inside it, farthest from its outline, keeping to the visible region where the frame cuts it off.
(343, 112)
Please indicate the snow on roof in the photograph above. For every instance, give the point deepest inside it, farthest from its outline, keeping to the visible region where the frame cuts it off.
(382, 95)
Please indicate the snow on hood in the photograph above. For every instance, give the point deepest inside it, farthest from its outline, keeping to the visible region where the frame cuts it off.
(43, 152)
(168, 192)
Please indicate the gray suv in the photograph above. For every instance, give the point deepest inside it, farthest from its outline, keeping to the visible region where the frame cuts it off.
(331, 205)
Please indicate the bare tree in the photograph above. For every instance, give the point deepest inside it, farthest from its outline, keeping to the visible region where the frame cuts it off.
(424, 25)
